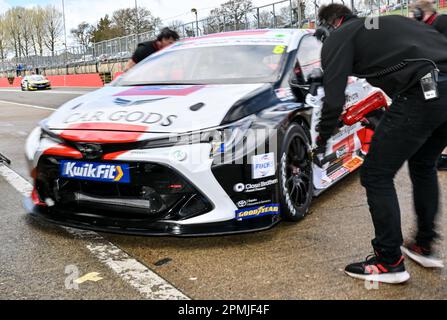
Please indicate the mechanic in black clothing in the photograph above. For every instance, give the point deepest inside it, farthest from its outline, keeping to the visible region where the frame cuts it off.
(400, 57)
(145, 49)
(425, 11)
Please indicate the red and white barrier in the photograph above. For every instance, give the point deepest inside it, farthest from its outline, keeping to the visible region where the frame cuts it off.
(76, 80)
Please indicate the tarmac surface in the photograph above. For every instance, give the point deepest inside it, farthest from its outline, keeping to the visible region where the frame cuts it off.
(291, 261)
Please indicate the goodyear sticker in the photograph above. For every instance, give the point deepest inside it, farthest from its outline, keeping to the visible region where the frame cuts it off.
(257, 212)
(101, 172)
(279, 49)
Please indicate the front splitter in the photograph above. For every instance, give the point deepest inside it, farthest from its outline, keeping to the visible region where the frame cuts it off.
(144, 228)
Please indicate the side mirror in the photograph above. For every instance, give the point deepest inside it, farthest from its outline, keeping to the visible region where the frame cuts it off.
(315, 80)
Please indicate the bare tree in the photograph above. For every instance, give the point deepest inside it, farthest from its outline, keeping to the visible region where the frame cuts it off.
(264, 20)
(38, 34)
(53, 28)
(3, 38)
(231, 15)
(130, 21)
(11, 23)
(176, 25)
(83, 34)
(26, 29)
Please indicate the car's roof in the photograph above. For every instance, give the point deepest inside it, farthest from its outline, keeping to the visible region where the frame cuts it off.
(286, 37)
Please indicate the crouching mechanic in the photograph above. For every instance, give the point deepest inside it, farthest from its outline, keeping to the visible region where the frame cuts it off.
(146, 49)
(400, 56)
(425, 11)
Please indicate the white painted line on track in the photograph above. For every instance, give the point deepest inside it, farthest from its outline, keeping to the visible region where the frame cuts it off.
(16, 180)
(27, 105)
(50, 92)
(146, 282)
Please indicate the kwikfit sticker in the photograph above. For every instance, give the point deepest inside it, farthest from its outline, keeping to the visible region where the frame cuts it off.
(101, 172)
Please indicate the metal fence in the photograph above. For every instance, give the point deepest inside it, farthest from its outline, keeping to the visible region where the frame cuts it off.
(281, 14)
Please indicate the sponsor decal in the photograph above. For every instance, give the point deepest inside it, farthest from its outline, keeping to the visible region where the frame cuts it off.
(284, 94)
(263, 166)
(140, 117)
(101, 172)
(353, 164)
(242, 204)
(338, 174)
(240, 187)
(160, 91)
(126, 103)
(257, 212)
(252, 202)
(351, 99)
(179, 156)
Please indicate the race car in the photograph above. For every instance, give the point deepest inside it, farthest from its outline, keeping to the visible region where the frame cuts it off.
(213, 135)
(35, 82)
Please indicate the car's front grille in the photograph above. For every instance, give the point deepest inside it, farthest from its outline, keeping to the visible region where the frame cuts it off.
(156, 192)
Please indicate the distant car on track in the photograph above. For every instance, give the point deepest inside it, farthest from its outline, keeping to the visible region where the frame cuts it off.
(35, 82)
(213, 135)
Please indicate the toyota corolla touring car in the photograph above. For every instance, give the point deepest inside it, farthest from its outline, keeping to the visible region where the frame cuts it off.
(213, 135)
(35, 82)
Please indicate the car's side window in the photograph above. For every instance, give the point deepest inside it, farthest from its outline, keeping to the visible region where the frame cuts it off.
(308, 56)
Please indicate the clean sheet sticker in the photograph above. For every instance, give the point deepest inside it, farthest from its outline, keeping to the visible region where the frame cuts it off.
(264, 166)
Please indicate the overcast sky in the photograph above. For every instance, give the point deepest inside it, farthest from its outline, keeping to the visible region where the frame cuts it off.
(91, 10)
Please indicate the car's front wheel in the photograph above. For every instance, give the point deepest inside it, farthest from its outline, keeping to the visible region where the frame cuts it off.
(295, 174)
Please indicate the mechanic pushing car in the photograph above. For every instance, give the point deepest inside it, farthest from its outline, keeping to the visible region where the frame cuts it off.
(425, 11)
(146, 49)
(410, 66)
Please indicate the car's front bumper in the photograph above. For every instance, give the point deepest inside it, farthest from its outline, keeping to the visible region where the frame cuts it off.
(144, 228)
(39, 86)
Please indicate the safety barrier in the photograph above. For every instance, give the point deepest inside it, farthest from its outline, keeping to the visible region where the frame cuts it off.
(79, 80)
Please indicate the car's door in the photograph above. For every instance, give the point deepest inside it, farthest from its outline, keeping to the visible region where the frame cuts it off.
(346, 144)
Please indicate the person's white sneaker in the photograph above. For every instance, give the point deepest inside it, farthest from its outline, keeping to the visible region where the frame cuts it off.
(422, 256)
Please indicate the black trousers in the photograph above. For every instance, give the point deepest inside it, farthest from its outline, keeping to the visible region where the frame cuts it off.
(414, 130)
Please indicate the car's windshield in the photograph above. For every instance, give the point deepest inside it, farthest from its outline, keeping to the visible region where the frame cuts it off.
(209, 65)
(36, 78)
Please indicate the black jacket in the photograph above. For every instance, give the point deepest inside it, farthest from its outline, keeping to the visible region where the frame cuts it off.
(440, 24)
(144, 50)
(352, 49)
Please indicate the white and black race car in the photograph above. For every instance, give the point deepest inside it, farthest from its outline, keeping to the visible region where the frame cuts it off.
(212, 135)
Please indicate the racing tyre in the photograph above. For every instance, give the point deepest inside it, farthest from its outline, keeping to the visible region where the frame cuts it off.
(295, 174)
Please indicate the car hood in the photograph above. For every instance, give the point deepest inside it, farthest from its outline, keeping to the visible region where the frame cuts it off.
(155, 109)
(39, 82)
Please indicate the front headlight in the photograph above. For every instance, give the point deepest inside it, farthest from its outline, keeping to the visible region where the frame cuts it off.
(227, 138)
(222, 139)
(47, 134)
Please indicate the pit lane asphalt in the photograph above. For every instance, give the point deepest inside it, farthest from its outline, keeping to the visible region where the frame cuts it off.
(292, 261)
